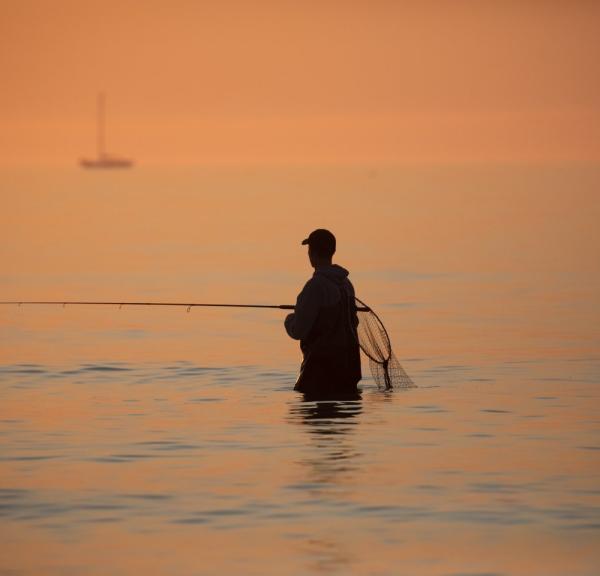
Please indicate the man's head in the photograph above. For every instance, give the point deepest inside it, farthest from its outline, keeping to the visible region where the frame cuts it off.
(321, 246)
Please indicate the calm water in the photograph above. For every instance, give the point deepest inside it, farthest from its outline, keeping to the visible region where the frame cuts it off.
(164, 442)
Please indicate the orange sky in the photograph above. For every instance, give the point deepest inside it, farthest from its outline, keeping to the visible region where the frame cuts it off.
(192, 81)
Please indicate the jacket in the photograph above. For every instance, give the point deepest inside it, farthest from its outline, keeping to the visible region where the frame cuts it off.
(325, 322)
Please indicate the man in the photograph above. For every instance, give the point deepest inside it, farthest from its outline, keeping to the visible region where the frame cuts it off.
(325, 322)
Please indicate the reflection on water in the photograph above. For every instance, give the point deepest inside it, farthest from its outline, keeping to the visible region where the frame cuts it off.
(325, 416)
(332, 451)
(330, 457)
(328, 556)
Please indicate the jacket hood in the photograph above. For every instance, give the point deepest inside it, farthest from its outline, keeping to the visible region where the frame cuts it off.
(333, 273)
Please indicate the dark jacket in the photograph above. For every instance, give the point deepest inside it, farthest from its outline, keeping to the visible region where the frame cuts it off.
(325, 323)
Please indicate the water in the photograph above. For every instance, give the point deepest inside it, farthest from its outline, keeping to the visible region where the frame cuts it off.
(165, 442)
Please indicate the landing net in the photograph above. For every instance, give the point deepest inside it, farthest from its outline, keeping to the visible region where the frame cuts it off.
(375, 342)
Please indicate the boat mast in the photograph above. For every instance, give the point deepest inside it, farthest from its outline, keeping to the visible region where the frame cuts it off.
(100, 125)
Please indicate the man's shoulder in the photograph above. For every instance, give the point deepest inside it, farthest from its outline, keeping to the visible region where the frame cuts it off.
(312, 284)
(315, 287)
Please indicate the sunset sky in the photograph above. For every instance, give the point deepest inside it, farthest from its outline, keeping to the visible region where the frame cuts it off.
(329, 81)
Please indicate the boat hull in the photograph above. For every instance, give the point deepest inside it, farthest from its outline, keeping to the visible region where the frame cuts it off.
(105, 163)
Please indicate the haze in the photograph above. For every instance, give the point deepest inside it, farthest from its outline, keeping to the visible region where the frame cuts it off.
(199, 82)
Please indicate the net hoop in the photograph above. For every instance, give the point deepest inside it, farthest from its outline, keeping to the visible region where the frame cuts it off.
(383, 330)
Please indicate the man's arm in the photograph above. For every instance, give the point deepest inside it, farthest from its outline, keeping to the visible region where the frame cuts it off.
(299, 324)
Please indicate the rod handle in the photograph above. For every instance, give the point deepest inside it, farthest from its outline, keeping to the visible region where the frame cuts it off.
(293, 307)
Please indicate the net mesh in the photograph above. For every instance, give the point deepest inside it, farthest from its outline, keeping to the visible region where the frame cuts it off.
(375, 343)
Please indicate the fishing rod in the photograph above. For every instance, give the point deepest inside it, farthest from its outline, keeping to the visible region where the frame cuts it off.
(370, 333)
(182, 304)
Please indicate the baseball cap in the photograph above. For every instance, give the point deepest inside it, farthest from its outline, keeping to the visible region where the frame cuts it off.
(321, 240)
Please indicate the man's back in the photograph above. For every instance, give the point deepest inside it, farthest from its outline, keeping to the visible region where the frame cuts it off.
(325, 323)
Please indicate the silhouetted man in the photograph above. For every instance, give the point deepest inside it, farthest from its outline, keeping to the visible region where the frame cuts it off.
(325, 322)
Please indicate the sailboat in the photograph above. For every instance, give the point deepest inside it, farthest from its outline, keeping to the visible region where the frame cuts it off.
(103, 159)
